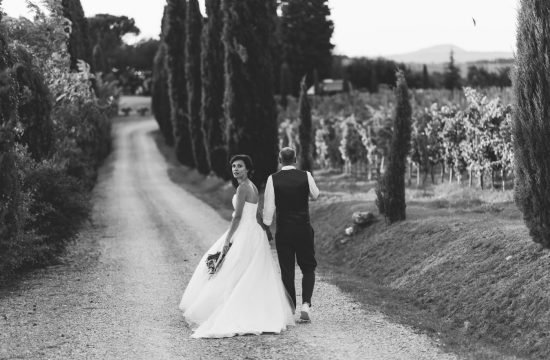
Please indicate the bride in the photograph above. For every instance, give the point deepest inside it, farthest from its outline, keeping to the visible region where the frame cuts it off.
(245, 295)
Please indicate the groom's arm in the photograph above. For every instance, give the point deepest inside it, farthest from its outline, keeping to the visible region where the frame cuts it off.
(313, 190)
(269, 202)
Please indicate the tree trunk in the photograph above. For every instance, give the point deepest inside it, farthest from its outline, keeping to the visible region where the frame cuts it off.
(442, 172)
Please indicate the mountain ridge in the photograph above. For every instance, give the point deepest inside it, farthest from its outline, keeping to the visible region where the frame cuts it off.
(441, 53)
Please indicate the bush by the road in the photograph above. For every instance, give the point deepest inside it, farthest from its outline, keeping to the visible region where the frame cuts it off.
(49, 154)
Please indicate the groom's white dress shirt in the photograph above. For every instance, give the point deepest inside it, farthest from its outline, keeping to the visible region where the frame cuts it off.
(269, 195)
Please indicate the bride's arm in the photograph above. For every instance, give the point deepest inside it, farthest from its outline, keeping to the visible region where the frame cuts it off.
(241, 197)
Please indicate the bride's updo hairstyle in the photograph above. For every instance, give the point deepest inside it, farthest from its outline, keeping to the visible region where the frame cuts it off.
(247, 163)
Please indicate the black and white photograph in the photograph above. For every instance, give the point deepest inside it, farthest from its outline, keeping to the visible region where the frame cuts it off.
(275, 179)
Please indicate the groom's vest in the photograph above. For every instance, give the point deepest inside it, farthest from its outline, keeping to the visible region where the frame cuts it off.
(291, 197)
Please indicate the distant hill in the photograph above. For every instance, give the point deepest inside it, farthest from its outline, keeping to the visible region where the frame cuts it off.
(440, 54)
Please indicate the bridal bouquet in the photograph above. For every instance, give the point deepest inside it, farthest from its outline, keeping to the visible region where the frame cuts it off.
(212, 261)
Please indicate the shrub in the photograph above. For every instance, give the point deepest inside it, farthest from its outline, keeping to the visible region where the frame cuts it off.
(60, 204)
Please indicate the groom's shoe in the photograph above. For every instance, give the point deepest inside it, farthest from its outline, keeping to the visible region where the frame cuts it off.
(304, 313)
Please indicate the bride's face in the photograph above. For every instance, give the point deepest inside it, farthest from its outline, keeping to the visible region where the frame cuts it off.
(239, 170)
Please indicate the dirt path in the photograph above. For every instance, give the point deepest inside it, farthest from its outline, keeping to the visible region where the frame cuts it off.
(115, 294)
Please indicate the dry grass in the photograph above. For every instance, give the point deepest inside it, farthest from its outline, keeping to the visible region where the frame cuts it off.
(462, 265)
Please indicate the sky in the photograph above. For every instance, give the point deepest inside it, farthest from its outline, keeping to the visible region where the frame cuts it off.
(365, 27)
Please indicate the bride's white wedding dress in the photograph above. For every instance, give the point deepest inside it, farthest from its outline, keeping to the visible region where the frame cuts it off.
(246, 295)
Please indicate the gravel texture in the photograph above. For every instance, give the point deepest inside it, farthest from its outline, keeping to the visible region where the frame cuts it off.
(115, 294)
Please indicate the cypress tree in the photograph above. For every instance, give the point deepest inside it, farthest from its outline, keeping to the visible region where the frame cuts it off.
(160, 102)
(213, 88)
(531, 121)
(174, 38)
(249, 104)
(425, 77)
(193, 75)
(452, 74)
(306, 33)
(305, 130)
(391, 188)
(79, 43)
(285, 83)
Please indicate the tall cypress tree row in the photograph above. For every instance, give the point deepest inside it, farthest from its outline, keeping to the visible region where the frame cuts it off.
(160, 101)
(249, 104)
(193, 75)
(213, 88)
(391, 188)
(174, 38)
(306, 33)
(79, 44)
(305, 130)
(531, 118)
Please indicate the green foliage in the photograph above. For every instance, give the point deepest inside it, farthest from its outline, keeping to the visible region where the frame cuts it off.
(174, 37)
(305, 130)
(305, 35)
(79, 43)
(249, 103)
(391, 189)
(212, 73)
(531, 125)
(194, 87)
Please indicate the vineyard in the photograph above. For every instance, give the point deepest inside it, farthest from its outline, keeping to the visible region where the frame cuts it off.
(462, 136)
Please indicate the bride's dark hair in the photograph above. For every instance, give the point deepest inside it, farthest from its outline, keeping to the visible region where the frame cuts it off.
(247, 163)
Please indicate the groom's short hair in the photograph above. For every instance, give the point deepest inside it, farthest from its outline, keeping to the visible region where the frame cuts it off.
(287, 155)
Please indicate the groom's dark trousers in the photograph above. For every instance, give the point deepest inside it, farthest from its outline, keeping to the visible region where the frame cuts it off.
(294, 234)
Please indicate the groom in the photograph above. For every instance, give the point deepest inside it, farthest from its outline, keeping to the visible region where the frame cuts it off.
(286, 193)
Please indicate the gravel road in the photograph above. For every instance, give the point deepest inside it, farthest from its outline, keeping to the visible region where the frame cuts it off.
(115, 294)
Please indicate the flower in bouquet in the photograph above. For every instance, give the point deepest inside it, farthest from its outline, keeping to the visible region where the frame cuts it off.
(212, 262)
